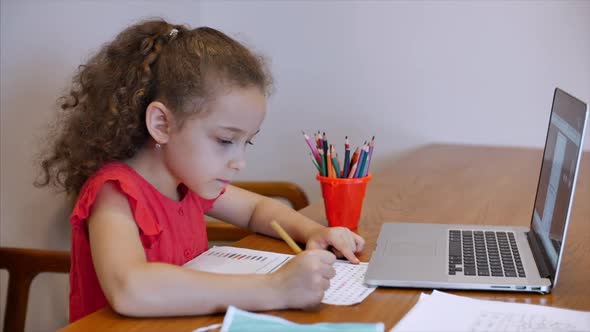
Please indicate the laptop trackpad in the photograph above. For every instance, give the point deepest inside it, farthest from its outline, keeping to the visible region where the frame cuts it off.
(410, 248)
(404, 261)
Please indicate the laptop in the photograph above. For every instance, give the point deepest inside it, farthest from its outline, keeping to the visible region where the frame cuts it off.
(506, 258)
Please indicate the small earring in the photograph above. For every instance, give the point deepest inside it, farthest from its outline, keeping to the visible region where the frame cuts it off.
(158, 145)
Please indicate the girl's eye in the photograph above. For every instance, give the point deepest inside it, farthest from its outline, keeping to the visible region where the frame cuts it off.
(229, 142)
(224, 141)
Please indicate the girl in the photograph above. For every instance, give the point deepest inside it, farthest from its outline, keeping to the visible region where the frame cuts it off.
(153, 130)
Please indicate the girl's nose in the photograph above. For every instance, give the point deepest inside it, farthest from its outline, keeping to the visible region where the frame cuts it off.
(237, 163)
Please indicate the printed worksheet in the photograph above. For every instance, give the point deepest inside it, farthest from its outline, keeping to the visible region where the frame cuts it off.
(348, 285)
(446, 312)
(346, 288)
(233, 260)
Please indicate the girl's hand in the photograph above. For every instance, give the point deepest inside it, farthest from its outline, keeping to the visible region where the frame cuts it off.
(305, 278)
(344, 243)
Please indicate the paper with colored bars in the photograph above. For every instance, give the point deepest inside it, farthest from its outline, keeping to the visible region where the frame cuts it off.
(346, 288)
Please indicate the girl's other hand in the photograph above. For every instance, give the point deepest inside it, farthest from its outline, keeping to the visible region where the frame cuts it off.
(344, 243)
(305, 278)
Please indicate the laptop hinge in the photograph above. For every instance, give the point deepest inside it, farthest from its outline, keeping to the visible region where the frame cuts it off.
(541, 259)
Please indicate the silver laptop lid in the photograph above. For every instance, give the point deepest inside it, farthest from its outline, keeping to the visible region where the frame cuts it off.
(557, 180)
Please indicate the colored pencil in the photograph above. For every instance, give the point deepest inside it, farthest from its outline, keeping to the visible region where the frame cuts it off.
(324, 157)
(352, 170)
(330, 166)
(311, 145)
(315, 163)
(335, 161)
(363, 164)
(326, 151)
(319, 138)
(346, 158)
(360, 161)
(338, 164)
(281, 232)
(323, 164)
(353, 160)
(369, 158)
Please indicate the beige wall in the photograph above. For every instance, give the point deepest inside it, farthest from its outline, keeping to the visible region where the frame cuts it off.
(407, 72)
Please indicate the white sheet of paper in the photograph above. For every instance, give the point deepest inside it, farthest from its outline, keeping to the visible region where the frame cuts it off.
(346, 288)
(446, 312)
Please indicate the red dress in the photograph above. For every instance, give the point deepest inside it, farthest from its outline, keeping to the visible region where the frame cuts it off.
(171, 231)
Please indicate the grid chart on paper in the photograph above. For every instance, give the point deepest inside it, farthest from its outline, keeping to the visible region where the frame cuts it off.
(347, 287)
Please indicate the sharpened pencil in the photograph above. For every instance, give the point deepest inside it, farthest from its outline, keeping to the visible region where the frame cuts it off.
(346, 158)
(311, 145)
(369, 158)
(315, 163)
(335, 162)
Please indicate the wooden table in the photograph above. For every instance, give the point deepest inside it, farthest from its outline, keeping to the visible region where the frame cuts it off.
(437, 184)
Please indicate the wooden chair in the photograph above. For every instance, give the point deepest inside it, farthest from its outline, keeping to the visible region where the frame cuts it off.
(24, 265)
(221, 231)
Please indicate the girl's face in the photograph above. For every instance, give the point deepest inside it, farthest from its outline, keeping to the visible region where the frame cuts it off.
(209, 150)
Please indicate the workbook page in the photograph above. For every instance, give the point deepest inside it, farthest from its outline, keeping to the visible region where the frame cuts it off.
(346, 288)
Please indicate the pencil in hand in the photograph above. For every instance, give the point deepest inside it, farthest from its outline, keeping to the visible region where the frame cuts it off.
(275, 225)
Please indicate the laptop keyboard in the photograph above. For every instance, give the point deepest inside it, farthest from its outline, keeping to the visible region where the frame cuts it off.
(484, 253)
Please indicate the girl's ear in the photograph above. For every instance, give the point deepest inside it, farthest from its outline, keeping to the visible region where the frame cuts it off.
(159, 121)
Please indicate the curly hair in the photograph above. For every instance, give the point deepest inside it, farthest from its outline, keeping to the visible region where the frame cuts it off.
(102, 117)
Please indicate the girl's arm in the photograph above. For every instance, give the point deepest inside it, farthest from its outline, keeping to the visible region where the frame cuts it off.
(253, 211)
(250, 210)
(136, 287)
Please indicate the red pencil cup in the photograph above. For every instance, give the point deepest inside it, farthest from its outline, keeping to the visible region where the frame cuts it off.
(343, 199)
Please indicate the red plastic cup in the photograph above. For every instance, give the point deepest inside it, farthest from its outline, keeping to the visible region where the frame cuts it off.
(343, 200)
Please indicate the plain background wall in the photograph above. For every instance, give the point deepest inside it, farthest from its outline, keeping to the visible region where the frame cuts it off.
(409, 73)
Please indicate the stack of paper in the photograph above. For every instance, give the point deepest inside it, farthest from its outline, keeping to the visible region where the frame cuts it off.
(346, 288)
(445, 312)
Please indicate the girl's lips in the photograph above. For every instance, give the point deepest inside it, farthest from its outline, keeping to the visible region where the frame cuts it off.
(224, 182)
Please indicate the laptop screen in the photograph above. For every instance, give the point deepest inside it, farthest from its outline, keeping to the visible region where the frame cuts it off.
(558, 174)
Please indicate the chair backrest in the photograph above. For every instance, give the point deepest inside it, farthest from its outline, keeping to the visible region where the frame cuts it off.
(221, 231)
(24, 265)
(287, 190)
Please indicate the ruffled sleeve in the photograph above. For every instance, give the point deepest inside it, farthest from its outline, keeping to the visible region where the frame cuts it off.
(146, 223)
